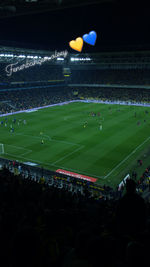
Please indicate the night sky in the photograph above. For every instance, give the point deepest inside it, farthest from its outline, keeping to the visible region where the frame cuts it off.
(115, 25)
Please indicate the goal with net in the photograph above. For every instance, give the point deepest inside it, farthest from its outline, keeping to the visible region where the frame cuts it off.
(1, 148)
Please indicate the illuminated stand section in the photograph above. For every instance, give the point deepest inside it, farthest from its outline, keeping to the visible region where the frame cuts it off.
(67, 69)
(67, 74)
(10, 68)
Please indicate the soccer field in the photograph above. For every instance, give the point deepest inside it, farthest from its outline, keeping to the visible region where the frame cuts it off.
(73, 140)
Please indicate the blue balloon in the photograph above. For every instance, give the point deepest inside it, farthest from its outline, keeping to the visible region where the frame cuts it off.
(90, 38)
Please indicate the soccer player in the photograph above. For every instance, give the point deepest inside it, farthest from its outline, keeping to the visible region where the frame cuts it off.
(12, 130)
(85, 124)
(42, 142)
(100, 127)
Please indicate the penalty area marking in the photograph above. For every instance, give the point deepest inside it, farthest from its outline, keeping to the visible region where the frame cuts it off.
(21, 148)
(69, 154)
(29, 151)
(105, 177)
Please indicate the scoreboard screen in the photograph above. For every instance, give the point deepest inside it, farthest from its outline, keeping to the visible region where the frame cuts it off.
(66, 72)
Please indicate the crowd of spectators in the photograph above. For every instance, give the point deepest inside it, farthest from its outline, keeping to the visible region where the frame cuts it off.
(61, 180)
(36, 73)
(143, 184)
(113, 76)
(113, 94)
(86, 75)
(20, 99)
(43, 225)
(16, 100)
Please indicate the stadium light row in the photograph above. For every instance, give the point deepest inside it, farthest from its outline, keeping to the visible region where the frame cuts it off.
(80, 59)
(21, 56)
(76, 59)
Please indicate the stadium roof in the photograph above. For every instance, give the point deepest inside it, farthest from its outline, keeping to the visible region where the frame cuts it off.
(51, 24)
(23, 7)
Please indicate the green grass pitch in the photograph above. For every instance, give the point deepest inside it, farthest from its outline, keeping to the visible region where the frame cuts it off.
(106, 154)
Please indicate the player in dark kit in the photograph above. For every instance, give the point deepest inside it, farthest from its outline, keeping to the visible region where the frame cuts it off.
(12, 130)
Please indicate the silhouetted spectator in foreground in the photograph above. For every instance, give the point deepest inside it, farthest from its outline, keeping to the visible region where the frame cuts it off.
(134, 175)
(26, 249)
(136, 254)
(131, 211)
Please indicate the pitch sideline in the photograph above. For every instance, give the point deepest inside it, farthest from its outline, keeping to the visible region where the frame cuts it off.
(105, 177)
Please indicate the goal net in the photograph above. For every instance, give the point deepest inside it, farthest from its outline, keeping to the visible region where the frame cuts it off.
(1, 148)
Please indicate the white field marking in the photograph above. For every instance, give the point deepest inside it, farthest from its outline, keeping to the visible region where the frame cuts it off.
(53, 140)
(19, 147)
(126, 158)
(29, 151)
(54, 164)
(36, 161)
(69, 154)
